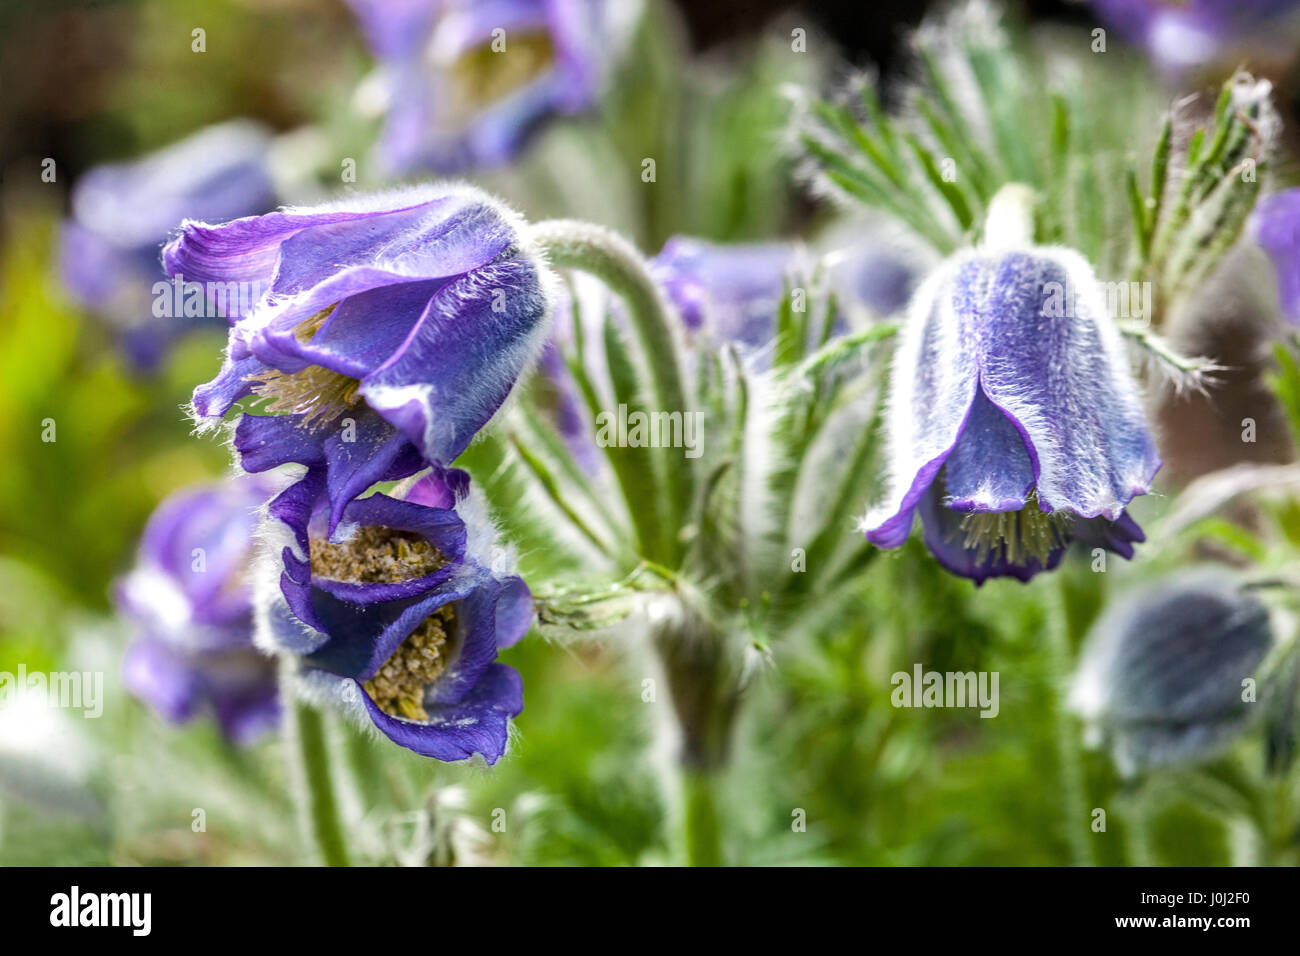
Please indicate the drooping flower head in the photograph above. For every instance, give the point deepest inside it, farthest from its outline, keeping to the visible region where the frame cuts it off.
(465, 82)
(390, 330)
(1183, 34)
(399, 613)
(123, 213)
(1015, 426)
(1162, 676)
(189, 600)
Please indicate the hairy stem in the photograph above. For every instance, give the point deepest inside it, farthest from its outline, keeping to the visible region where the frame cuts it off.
(570, 244)
(304, 729)
(700, 818)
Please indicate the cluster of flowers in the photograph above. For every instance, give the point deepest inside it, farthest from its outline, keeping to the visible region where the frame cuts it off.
(390, 329)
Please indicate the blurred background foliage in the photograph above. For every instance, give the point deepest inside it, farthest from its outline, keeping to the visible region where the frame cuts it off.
(702, 88)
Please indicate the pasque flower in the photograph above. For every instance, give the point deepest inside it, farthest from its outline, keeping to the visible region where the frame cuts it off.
(1162, 676)
(398, 614)
(464, 82)
(1014, 425)
(390, 330)
(189, 600)
(122, 214)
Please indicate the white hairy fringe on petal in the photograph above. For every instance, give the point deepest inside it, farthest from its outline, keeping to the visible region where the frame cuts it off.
(905, 451)
(269, 605)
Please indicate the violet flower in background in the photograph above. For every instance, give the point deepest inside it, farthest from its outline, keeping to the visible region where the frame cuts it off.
(1161, 677)
(123, 213)
(465, 82)
(391, 328)
(1275, 225)
(729, 292)
(1015, 426)
(1183, 34)
(189, 601)
(876, 274)
(399, 615)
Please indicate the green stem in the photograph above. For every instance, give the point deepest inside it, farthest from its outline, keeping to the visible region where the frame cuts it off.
(570, 244)
(1069, 753)
(700, 818)
(305, 733)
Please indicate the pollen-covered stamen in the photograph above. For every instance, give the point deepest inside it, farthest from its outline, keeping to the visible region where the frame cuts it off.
(375, 555)
(318, 394)
(399, 686)
(1018, 536)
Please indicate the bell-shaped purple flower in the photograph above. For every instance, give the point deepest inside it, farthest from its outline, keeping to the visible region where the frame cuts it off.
(465, 82)
(189, 601)
(1275, 225)
(398, 615)
(390, 328)
(1163, 673)
(123, 213)
(1015, 426)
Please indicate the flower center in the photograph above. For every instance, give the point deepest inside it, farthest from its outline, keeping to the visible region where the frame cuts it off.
(375, 555)
(379, 555)
(398, 688)
(318, 394)
(1024, 535)
(482, 75)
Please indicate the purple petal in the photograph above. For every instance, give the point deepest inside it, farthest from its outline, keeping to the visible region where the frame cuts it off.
(463, 357)
(163, 678)
(989, 469)
(1064, 381)
(1276, 227)
(933, 385)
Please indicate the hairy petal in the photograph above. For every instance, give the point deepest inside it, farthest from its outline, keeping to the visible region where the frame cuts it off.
(932, 387)
(1064, 381)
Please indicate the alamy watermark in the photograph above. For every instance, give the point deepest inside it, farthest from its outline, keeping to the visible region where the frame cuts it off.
(68, 690)
(177, 299)
(638, 429)
(923, 688)
(1124, 300)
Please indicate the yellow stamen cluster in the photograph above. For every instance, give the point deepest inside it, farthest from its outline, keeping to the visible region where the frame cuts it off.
(1019, 536)
(398, 688)
(375, 555)
(482, 75)
(379, 555)
(318, 394)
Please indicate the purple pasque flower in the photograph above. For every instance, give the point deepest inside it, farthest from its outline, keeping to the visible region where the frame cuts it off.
(122, 214)
(729, 292)
(1014, 425)
(466, 81)
(399, 613)
(391, 328)
(189, 602)
(1182, 34)
(1275, 225)
(1160, 679)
